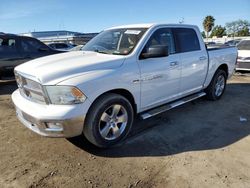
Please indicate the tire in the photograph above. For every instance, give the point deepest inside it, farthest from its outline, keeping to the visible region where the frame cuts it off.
(217, 86)
(109, 120)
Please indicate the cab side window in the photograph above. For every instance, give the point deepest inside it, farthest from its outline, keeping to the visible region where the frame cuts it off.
(187, 40)
(7, 45)
(31, 45)
(164, 37)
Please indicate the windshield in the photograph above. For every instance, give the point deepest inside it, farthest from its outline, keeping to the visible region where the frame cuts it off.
(115, 41)
(244, 45)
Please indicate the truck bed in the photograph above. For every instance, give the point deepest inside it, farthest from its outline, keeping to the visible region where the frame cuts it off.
(219, 55)
(218, 47)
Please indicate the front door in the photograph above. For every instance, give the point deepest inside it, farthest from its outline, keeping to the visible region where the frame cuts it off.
(9, 56)
(160, 76)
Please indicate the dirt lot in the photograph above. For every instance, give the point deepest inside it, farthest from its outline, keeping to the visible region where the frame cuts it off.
(201, 144)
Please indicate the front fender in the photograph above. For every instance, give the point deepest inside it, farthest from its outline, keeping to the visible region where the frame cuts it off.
(95, 83)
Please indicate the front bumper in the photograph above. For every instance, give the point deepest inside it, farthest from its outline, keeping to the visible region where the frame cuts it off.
(243, 65)
(68, 119)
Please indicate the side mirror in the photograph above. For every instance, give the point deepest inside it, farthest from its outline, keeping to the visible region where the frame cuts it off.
(155, 51)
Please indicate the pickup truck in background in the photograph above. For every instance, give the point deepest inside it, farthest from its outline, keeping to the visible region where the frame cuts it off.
(243, 61)
(140, 69)
(15, 50)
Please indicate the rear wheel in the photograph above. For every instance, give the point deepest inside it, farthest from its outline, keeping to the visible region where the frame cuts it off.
(109, 120)
(217, 86)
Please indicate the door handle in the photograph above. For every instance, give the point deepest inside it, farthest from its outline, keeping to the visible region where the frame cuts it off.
(202, 58)
(174, 63)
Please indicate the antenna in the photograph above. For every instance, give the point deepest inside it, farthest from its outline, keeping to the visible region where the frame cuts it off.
(181, 21)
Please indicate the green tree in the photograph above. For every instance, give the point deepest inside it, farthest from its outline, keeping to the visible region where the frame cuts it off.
(208, 24)
(238, 28)
(218, 31)
(244, 32)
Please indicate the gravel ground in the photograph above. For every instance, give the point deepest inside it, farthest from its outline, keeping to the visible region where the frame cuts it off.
(200, 144)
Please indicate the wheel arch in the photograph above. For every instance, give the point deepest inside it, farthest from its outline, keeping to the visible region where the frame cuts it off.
(123, 92)
(223, 67)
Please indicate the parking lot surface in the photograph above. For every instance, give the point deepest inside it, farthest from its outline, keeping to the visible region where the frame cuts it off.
(200, 144)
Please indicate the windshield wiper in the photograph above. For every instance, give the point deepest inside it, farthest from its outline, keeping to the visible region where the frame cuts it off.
(118, 53)
(101, 51)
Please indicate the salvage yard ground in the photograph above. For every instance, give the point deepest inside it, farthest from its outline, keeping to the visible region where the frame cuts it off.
(200, 144)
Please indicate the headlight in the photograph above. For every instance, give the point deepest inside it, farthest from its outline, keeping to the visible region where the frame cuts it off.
(65, 95)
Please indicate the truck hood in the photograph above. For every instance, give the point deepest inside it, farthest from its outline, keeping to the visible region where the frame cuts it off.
(51, 70)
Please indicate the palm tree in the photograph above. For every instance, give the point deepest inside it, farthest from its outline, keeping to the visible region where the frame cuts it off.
(208, 24)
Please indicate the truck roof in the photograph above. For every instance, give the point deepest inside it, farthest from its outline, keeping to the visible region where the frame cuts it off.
(148, 25)
(6, 35)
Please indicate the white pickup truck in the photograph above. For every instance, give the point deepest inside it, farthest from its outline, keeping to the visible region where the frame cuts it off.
(127, 70)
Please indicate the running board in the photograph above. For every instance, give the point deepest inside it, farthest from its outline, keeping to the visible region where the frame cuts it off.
(168, 106)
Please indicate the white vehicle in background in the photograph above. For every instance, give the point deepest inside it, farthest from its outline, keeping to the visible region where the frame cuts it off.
(233, 42)
(243, 61)
(140, 69)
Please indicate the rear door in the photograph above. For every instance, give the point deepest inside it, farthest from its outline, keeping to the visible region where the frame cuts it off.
(193, 58)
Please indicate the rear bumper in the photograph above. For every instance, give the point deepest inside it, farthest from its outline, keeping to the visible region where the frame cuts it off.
(51, 120)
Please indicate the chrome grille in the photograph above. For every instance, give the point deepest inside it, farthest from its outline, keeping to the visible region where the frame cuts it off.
(30, 89)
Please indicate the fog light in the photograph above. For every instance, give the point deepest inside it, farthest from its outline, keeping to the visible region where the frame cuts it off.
(53, 126)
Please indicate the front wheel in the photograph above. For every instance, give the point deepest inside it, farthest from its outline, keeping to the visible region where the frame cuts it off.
(109, 120)
(217, 86)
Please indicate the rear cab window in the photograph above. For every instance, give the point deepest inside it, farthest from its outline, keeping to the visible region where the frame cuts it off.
(186, 40)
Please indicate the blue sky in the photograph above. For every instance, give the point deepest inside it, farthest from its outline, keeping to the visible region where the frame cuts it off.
(18, 16)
